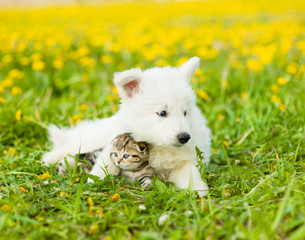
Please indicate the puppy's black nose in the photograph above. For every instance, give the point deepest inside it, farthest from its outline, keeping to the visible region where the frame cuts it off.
(183, 137)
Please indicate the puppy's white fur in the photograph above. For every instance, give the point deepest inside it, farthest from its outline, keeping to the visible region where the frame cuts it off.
(144, 94)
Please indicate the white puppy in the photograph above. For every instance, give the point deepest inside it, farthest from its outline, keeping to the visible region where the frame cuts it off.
(158, 106)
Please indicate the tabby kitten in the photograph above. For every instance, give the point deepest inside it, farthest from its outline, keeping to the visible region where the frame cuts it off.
(130, 156)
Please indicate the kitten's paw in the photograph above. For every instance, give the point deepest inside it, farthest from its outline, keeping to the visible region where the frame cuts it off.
(146, 182)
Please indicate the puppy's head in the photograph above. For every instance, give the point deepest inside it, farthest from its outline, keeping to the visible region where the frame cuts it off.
(157, 105)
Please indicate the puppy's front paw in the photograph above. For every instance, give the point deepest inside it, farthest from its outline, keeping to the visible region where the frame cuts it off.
(202, 193)
(90, 180)
(61, 168)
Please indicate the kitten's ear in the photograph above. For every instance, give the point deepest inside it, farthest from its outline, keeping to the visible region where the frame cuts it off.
(141, 147)
(189, 68)
(128, 82)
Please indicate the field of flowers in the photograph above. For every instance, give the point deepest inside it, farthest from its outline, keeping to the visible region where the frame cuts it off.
(56, 66)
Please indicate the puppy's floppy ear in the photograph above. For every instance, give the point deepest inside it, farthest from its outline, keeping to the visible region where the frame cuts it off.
(127, 82)
(189, 68)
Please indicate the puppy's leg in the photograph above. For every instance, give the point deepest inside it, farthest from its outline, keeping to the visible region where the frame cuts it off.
(54, 156)
(104, 165)
(61, 167)
(188, 175)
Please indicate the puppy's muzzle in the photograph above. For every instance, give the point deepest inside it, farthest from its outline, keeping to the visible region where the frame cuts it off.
(183, 137)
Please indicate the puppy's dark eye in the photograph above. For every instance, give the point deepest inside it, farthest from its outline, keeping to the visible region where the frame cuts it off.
(126, 156)
(162, 113)
(184, 113)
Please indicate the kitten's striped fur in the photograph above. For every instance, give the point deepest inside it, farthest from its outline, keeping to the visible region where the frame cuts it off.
(130, 156)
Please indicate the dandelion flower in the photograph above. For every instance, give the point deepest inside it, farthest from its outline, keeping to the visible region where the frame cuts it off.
(90, 202)
(38, 65)
(6, 207)
(45, 175)
(16, 91)
(202, 94)
(2, 100)
(100, 213)
(23, 190)
(275, 88)
(18, 114)
(116, 197)
(93, 228)
(254, 65)
(281, 81)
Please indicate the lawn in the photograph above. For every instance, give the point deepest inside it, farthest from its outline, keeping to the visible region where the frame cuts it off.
(56, 66)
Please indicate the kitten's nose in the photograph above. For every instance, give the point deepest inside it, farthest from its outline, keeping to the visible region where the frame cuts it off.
(183, 137)
(120, 160)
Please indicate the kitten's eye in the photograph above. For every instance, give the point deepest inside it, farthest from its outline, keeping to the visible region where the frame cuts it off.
(162, 113)
(115, 154)
(184, 113)
(126, 156)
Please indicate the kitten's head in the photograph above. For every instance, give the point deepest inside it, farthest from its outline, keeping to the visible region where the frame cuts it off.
(128, 154)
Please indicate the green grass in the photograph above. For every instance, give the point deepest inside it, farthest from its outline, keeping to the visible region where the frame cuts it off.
(256, 175)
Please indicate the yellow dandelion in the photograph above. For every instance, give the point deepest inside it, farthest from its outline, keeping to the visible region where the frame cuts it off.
(24, 61)
(15, 73)
(63, 194)
(115, 90)
(82, 107)
(202, 94)
(220, 116)
(10, 151)
(275, 88)
(112, 98)
(226, 143)
(116, 197)
(198, 72)
(275, 98)
(7, 82)
(100, 213)
(6, 207)
(281, 81)
(182, 60)
(254, 65)
(292, 68)
(58, 64)
(38, 65)
(2, 100)
(75, 119)
(106, 59)
(93, 228)
(16, 91)
(45, 175)
(244, 95)
(23, 190)
(282, 107)
(7, 59)
(90, 202)
(202, 79)
(18, 114)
